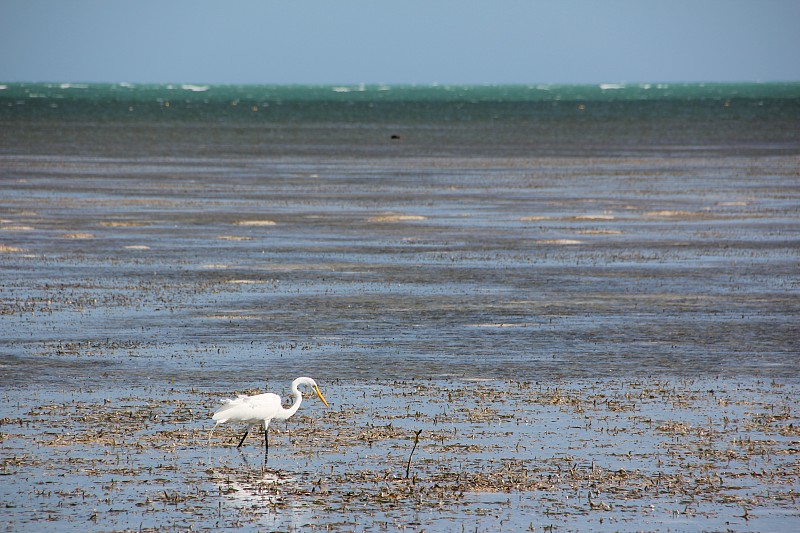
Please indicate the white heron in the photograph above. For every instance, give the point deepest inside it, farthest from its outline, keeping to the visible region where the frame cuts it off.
(262, 408)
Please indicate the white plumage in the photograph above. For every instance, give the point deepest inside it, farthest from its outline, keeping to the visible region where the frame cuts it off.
(250, 409)
(262, 408)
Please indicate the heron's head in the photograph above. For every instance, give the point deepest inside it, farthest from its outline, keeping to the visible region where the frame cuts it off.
(313, 384)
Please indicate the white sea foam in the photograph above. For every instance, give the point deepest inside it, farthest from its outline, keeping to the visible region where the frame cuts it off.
(194, 88)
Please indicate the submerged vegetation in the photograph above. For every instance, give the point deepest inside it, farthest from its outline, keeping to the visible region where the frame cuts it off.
(567, 455)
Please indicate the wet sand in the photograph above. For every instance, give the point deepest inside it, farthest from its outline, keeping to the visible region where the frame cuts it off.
(585, 342)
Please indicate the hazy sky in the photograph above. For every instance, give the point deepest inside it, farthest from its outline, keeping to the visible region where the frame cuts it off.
(399, 41)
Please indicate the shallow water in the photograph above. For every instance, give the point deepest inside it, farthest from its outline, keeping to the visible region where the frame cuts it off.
(603, 341)
(343, 268)
(693, 454)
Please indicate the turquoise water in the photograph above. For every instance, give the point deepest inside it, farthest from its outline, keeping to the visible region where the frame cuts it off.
(408, 121)
(398, 103)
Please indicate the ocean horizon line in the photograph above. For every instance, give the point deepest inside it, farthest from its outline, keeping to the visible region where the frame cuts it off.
(617, 91)
(606, 84)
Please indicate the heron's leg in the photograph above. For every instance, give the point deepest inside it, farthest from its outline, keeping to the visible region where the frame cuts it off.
(266, 441)
(243, 437)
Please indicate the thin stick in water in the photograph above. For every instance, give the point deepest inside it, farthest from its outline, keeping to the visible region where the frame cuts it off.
(416, 441)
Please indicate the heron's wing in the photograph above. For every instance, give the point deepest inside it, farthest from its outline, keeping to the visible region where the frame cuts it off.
(249, 409)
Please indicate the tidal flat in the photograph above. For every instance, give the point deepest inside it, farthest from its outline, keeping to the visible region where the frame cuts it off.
(604, 343)
(613, 454)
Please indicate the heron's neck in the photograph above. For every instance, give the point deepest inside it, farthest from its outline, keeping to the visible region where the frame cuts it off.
(298, 398)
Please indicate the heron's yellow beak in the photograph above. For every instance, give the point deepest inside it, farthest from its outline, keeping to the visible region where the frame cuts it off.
(321, 397)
